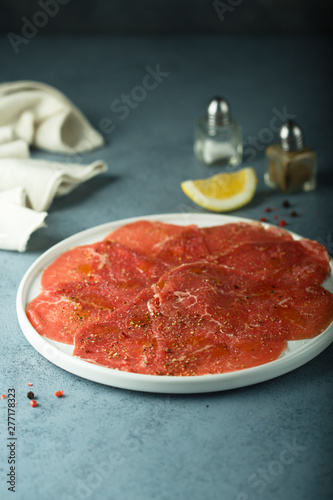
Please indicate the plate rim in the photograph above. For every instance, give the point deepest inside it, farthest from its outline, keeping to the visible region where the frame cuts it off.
(50, 350)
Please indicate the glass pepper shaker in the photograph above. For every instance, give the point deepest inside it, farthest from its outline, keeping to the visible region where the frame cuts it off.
(291, 166)
(217, 137)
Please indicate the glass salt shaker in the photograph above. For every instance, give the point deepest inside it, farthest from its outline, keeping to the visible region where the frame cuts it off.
(217, 137)
(291, 166)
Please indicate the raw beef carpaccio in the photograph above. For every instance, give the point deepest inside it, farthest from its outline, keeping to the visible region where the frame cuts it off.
(163, 299)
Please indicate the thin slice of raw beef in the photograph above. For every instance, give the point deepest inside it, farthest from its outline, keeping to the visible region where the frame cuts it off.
(289, 263)
(76, 264)
(144, 235)
(57, 313)
(123, 341)
(186, 246)
(220, 239)
(102, 262)
(168, 243)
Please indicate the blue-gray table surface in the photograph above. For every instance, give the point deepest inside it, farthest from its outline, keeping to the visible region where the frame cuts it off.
(272, 440)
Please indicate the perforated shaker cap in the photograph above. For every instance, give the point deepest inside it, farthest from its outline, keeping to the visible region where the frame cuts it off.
(218, 112)
(291, 136)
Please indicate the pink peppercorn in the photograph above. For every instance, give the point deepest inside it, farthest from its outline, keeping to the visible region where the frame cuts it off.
(282, 223)
(33, 403)
(263, 219)
(59, 394)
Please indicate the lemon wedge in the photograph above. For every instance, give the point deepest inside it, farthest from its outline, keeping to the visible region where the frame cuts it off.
(223, 192)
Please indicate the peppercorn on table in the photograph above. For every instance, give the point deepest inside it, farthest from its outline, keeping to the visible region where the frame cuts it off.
(81, 439)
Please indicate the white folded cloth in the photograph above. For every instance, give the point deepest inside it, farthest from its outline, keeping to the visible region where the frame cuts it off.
(43, 180)
(16, 221)
(15, 149)
(32, 113)
(43, 117)
(27, 189)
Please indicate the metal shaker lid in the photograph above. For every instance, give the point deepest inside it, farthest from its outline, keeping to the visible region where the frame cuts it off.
(218, 112)
(291, 136)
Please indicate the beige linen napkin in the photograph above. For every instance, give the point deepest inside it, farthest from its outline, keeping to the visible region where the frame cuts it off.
(35, 114)
(43, 117)
(27, 189)
(16, 221)
(15, 149)
(43, 180)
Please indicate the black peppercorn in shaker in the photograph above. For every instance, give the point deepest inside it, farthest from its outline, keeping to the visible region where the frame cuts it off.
(291, 166)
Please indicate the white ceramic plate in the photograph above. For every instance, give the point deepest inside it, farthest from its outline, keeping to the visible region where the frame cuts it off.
(298, 352)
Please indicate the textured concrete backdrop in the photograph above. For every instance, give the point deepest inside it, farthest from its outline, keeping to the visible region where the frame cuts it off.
(174, 16)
